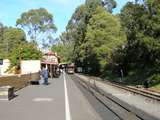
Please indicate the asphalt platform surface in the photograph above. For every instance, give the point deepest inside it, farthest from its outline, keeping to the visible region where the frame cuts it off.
(63, 99)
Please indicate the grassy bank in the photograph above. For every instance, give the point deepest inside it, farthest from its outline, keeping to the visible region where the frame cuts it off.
(156, 87)
(136, 77)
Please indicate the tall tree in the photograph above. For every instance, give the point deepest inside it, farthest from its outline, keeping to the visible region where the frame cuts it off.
(12, 37)
(1, 31)
(77, 26)
(1, 37)
(142, 25)
(104, 34)
(38, 23)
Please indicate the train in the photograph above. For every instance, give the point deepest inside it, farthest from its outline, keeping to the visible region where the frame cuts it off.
(67, 67)
(70, 68)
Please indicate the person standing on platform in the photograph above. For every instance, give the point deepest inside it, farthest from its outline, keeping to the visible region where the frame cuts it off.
(45, 75)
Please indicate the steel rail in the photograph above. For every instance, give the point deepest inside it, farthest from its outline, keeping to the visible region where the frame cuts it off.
(129, 112)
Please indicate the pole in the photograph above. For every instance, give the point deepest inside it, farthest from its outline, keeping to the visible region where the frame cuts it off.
(0, 70)
(121, 75)
(20, 59)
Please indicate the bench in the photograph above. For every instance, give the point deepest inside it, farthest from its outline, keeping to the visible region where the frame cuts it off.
(6, 92)
(34, 82)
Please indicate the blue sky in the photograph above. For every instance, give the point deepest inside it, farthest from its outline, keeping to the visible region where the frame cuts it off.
(62, 10)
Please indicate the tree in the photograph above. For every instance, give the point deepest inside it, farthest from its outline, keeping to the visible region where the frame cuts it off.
(141, 33)
(25, 51)
(11, 38)
(1, 38)
(104, 34)
(1, 31)
(77, 26)
(63, 52)
(38, 23)
(64, 48)
(141, 23)
(76, 29)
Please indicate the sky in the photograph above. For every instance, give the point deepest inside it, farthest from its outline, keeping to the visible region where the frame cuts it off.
(62, 10)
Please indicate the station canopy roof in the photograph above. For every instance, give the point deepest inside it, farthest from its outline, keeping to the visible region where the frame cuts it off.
(50, 58)
(51, 53)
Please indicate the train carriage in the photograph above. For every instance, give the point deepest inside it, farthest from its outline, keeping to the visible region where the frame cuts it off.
(70, 68)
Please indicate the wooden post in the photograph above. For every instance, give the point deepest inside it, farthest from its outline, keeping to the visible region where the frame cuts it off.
(51, 71)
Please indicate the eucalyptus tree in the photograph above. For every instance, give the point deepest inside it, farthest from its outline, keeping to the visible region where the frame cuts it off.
(1, 39)
(1, 29)
(38, 23)
(1, 32)
(104, 34)
(77, 26)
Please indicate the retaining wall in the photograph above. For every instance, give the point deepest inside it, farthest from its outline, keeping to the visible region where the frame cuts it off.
(19, 81)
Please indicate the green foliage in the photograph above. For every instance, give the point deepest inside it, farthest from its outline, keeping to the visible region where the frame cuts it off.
(156, 87)
(64, 51)
(154, 79)
(77, 26)
(141, 54)
(104, 34)
(143, 36)
(10, 39)
(103, 43)
(1, 39)
(1, 31)
(13, 46)
(25, 51)
(38, 23)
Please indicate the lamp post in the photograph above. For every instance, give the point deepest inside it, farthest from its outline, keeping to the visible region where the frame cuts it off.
(121, 72)
(86, 60)
(20, 59)
(1, 34)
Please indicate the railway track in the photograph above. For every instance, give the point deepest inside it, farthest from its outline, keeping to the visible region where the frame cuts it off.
(149, 94)
(121, 109)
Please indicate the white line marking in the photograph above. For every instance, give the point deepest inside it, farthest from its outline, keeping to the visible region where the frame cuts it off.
(68, 115)
(4, 99)
(42, 99)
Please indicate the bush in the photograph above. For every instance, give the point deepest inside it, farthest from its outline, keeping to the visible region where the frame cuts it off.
(154, 79)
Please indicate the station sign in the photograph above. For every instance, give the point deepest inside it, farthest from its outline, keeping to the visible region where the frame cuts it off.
(50, 59)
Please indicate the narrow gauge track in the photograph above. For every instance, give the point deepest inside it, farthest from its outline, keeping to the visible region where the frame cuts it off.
(151, 95)
(122, 110)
